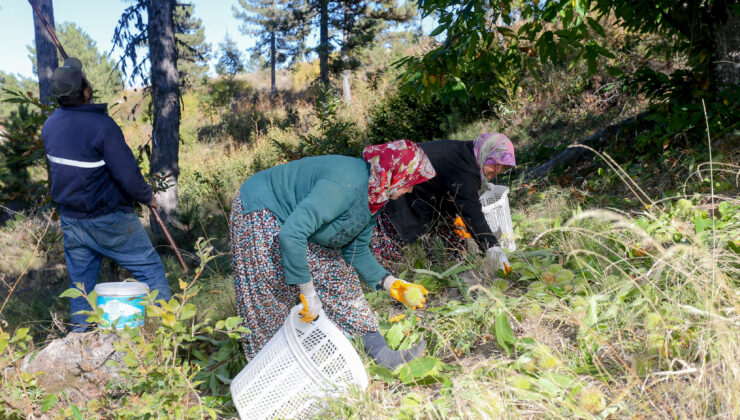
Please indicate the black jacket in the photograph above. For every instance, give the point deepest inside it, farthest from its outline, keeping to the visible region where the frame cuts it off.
(453, 191)
(93, 171)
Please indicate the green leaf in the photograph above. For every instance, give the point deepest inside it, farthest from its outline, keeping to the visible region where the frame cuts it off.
(596, 26)
(591, 316)
(379, 372)
(505, 31)
(49, 402)
(734, 246)
(71, 293)
(224, 352)
(20, 334)
(701, 224)
(411, 401)
(591, 55)
(200, 356)
(504, 333)
(560, 379)
(429, 272)
(419, 369)
(394, 335)
(154, 311)
(438, 30)
(130, 360)
(223, 378)
(4, 338)
(76, 413)
(582, 7)
(233, 322)
(455, 269)
(188, 311)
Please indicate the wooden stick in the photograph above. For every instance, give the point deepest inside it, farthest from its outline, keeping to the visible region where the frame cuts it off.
(167, 236)
(49, 29)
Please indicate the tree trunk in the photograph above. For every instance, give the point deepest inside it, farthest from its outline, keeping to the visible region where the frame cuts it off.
(595, 141)
(166, 101)
(346, 89)
(323, 49)
(273, 63)
(46, 51)
(727, 51)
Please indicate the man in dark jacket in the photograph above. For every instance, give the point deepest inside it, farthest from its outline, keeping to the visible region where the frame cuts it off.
(95, 180)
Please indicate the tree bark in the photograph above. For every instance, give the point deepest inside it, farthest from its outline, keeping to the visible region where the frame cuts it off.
(726, 67)
(46, 51)
(166, 101)
(273, 63)
(323, 49)
(346, 88)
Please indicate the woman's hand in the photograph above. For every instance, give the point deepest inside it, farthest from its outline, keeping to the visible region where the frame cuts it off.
(311, 302)
(398, 289)
(497, 258)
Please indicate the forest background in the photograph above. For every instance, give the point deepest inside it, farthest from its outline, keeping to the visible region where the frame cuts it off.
(644, 219)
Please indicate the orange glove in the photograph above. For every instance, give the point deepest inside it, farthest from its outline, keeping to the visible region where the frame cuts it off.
(460, 228)
(398, 288)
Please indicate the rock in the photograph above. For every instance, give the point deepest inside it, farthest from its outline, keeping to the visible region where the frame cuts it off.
(76, 364)
(471, 277)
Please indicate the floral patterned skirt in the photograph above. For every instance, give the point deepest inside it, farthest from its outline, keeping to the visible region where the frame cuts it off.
(264, 299)
(387, 245)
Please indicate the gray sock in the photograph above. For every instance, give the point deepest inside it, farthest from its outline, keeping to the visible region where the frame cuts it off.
(377, 348)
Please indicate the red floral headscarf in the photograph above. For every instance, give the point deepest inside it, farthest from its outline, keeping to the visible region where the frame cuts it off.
(399, 164)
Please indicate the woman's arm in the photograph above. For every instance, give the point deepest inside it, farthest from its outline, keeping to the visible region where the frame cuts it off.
(471, 210)
(357, 254)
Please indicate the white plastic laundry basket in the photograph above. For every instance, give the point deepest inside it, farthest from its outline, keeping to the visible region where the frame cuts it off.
(297, 368)
(495, 203)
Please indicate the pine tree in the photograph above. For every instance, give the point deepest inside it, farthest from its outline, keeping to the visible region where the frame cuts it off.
(348, 26)
(230, 60)
(99, 69)
(193, 52)
(279, 31)
(360, 23)
(131, 34)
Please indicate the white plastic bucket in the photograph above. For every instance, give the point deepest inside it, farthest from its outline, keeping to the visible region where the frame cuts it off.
(122, 302)
(301, 365)
(495, 206)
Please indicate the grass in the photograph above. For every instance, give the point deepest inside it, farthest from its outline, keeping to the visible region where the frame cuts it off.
(653, 335)
(651, 331)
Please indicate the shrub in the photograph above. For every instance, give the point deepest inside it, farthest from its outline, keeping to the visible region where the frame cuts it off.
(335, 135)
(403, 116)
(243, 122)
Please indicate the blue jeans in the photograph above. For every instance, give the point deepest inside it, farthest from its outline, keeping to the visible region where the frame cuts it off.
(119, 236)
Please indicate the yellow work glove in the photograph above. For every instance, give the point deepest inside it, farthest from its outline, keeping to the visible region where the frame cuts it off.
(398, 289)
(311, 302)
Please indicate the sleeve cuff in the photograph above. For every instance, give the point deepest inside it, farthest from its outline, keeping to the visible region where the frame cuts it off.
(380, 284)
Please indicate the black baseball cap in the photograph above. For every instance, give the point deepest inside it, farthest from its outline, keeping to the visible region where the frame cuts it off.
(67, 79)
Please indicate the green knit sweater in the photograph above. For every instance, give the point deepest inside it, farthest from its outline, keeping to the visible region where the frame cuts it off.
(320, 199)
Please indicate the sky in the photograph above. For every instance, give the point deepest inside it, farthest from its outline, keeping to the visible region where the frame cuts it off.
(98, 18)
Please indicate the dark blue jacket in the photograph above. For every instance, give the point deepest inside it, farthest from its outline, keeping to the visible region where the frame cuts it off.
(93, 171)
